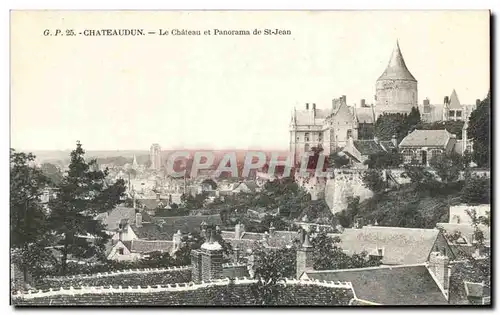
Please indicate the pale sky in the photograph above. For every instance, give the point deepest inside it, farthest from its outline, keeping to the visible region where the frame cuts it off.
(223, 92)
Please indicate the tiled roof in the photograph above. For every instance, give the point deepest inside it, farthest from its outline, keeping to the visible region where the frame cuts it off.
(117, 215)
(400, 245)
(252, 236)
(422, 138)
(143, 246)
(367, 147)
(398, 285)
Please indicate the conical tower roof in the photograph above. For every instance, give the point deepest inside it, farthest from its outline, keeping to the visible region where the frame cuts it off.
(454, 102)
(396, 69)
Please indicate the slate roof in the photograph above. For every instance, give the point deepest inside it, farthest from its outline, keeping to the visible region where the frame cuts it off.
(252, 236)
(388, 145)
(397, 285)
(396, 69)
(367, 147)
(117, 215)
(365, 115)
(283, 238)
(304, 117)
(401, 246)
(166, 227)
(454, 103)
(423, 138)
(144, 246)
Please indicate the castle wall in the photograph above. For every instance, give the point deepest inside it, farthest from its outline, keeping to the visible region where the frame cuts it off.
(345, 184)
(396, 96)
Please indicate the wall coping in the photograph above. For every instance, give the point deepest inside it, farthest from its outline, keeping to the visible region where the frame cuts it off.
(176, 287)
(118, 272)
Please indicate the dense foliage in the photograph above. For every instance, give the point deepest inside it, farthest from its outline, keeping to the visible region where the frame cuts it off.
(398, 125)
(479, 131)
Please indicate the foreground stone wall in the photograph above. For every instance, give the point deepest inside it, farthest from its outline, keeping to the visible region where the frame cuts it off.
(221, 292)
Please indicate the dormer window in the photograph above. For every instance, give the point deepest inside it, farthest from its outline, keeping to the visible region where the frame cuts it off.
(459, 113)
(120, 251)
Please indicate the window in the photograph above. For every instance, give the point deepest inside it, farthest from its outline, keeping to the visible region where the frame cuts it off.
(306, 136)
(451, 113)
(349, 133)
(120, 251)
(459, 113)
(320, 136)
(407, 156)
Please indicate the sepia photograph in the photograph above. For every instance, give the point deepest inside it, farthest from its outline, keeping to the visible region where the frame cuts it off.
(250, 158)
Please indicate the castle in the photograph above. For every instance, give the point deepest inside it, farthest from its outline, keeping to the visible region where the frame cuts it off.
(396, 92)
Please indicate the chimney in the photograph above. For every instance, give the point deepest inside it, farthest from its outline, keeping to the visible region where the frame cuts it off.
(446, 100)
(138, 219)
(314, 106)
(439, 266)
(238, 230)
(305, 260)
(177, 240)
(426, 101)
(344, 99)
(272, 229)
(394, 141)
(158, 197)
(307, 105)
(212, 259)
(362, 102)
(478, 101)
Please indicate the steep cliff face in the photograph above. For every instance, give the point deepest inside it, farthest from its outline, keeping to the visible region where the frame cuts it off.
(345, 184)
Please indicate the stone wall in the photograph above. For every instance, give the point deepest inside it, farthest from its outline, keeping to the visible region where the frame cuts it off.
(346, 183)
(221, 292)
(141, 277)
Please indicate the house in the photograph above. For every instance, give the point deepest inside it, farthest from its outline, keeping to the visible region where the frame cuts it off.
(246, 187)
(119, 213)
(359, 151)
(420, 146)
(396, 246)
(137, 249)
(462, 241)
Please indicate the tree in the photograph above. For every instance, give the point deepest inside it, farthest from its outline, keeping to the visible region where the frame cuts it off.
(383, 160)
(52, 172)
(28, 221)
(156, 259)
(447, 166)
(346, 217)
(413, 119)
(372, 179)
(476, 191)
(389, 125)
(82, 195)
(479, 132)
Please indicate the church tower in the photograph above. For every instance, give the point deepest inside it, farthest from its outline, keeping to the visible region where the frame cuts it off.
(396, 88)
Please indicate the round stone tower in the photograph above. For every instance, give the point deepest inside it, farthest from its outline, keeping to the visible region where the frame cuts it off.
(396, 87)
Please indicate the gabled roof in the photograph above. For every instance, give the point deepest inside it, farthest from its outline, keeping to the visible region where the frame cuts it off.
(400, 245)
(466, 230)
(397, 285)
(367, 147)
(396, 69)
(423, 138)
(454, 103)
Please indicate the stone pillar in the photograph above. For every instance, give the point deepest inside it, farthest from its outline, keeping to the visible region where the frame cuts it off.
(212, 258)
